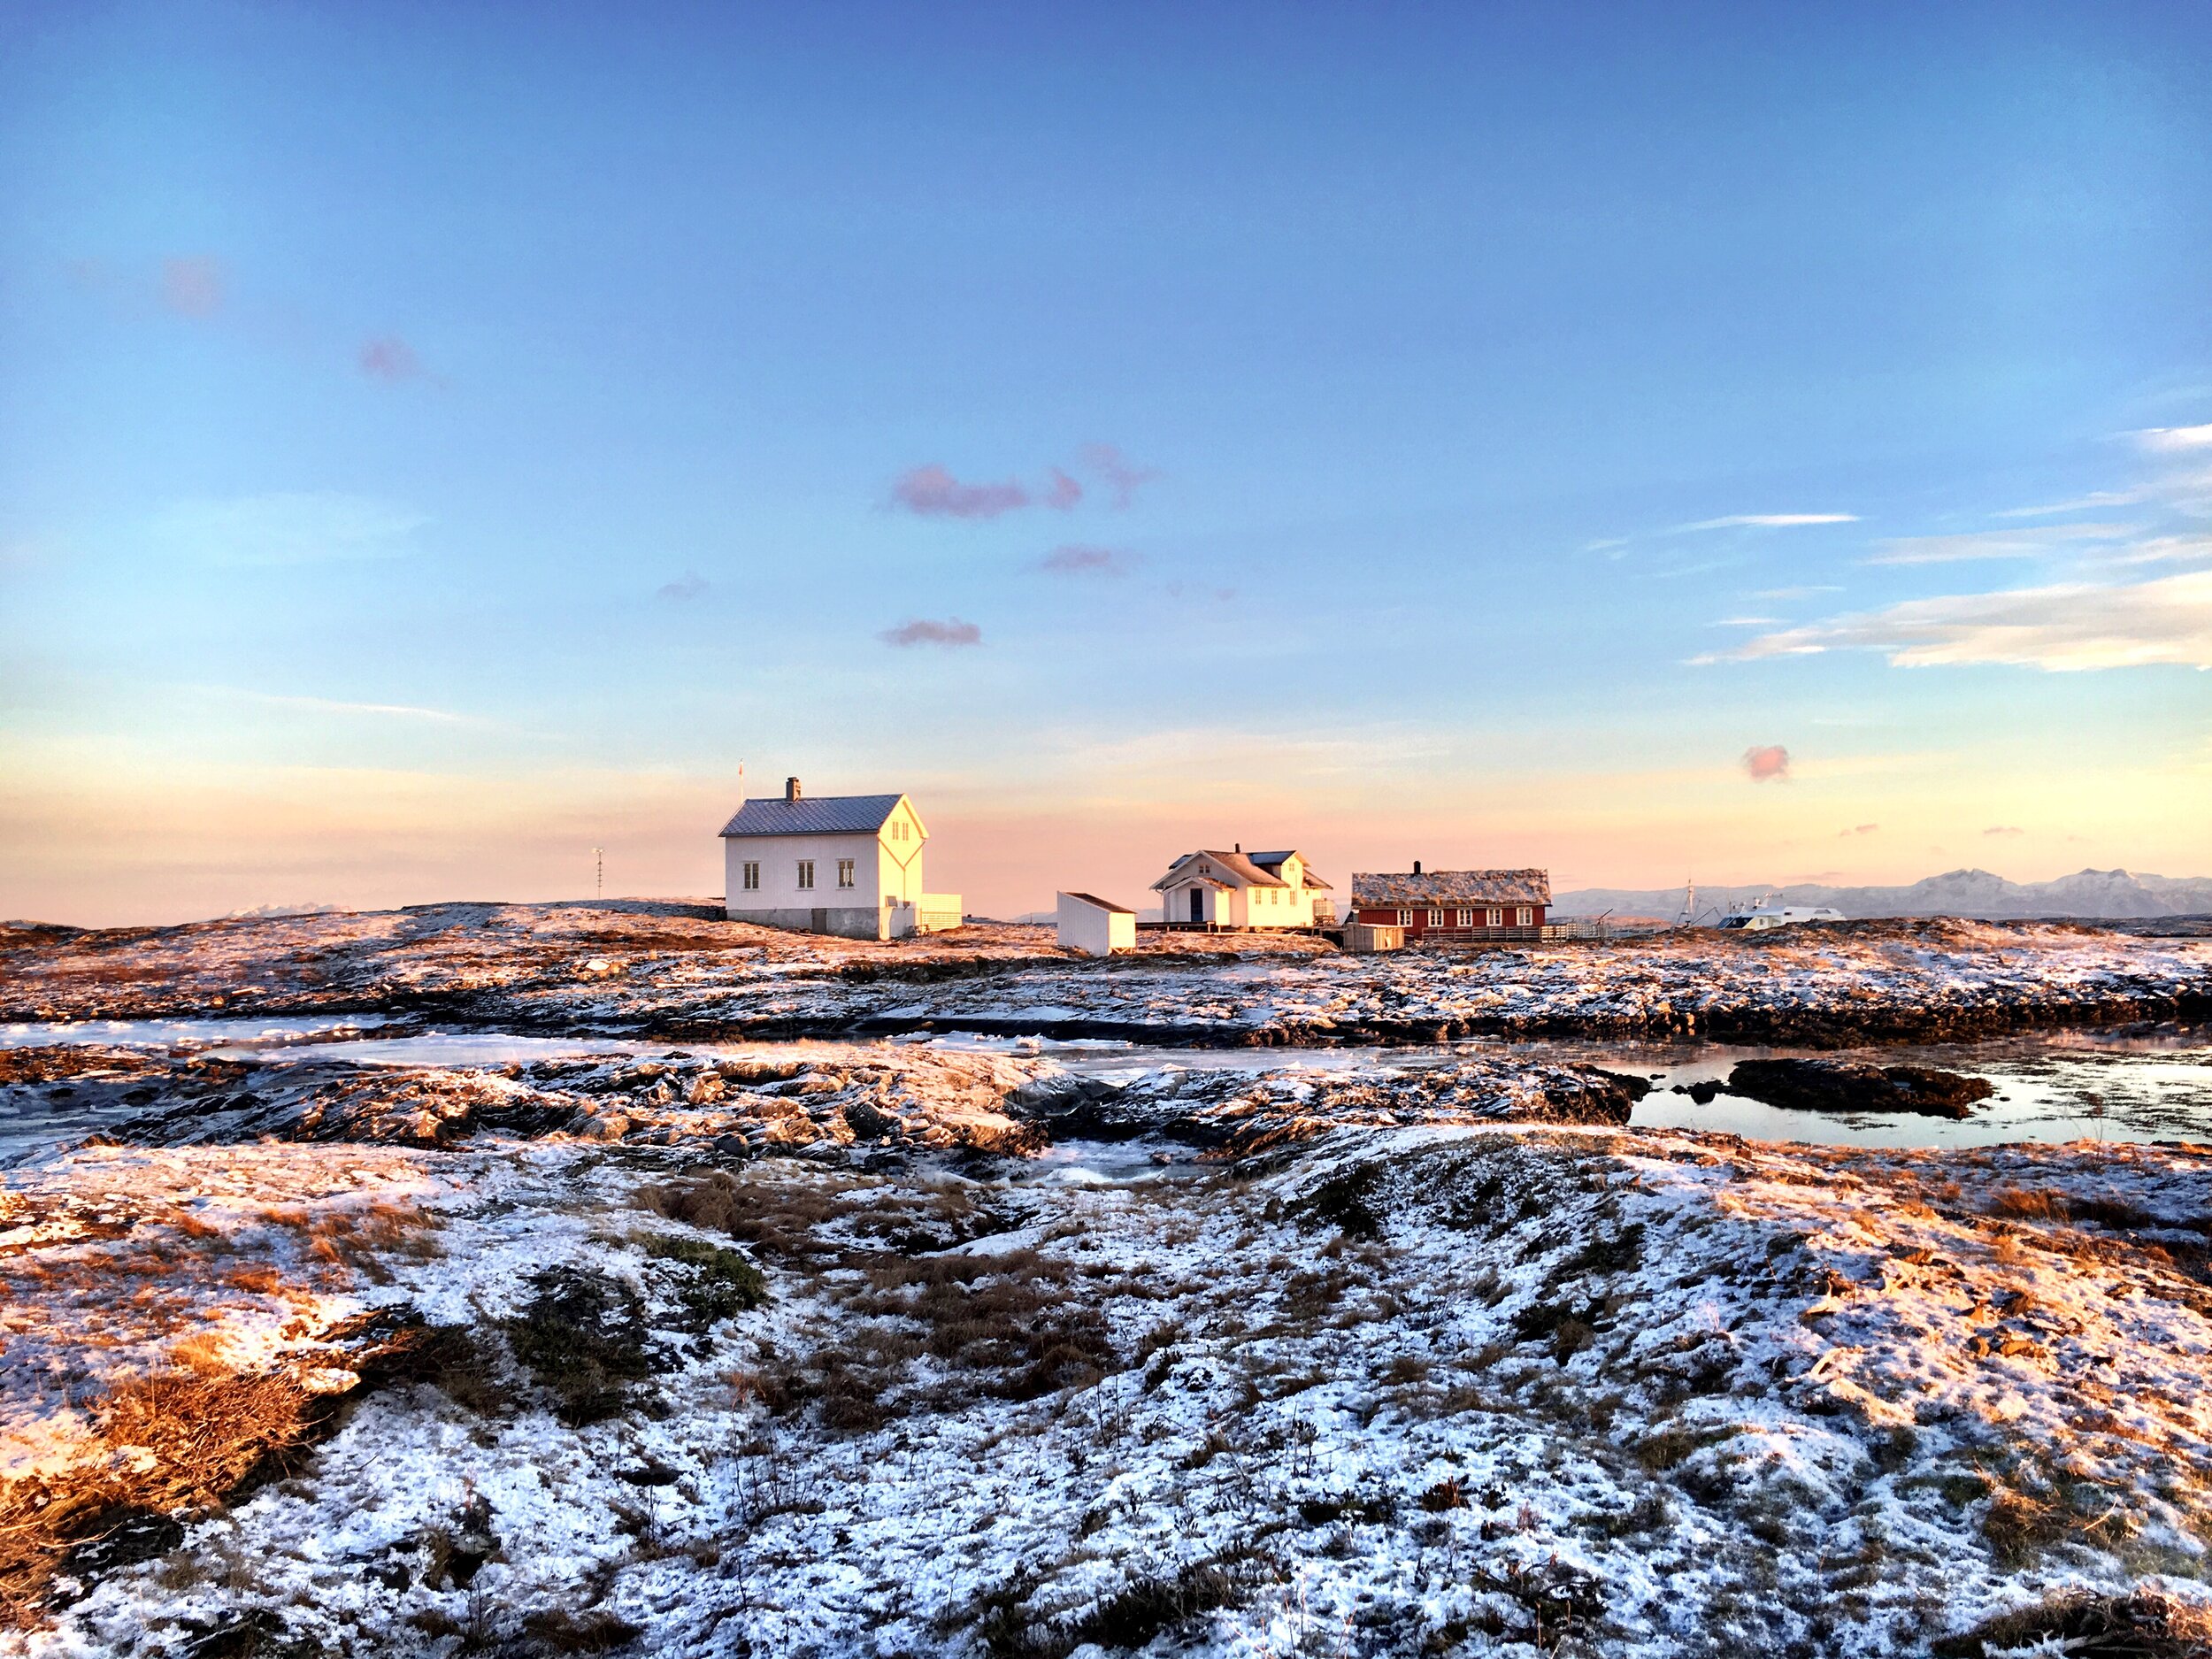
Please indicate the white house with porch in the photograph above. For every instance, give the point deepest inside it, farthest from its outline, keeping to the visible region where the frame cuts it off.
(849, 864)
(1244, 891)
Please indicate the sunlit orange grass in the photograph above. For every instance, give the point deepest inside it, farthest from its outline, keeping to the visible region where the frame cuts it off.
(155, 1282)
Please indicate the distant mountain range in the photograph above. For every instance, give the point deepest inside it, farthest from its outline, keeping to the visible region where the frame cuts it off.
(2108, 893)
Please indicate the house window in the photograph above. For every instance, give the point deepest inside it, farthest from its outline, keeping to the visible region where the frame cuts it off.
(752, 876)
(844, 872)
(1525, 916)
(1466, 919)
(806, 872)
(1436, 918)
(1405, 918)
(1495, 918)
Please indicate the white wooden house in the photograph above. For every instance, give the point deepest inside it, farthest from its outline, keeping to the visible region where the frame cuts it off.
(849, 864)
(1240, 890)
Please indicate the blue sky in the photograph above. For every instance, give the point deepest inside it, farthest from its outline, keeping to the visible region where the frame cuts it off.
(435, 441)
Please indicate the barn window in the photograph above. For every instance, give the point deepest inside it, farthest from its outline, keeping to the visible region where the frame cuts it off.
(806, 872)
(844, 872)
(752, 876)
(1523, 917)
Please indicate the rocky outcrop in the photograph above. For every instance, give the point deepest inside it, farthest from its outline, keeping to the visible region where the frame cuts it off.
(1855, 1085)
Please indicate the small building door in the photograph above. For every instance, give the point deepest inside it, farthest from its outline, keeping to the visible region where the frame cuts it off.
(1198, 904)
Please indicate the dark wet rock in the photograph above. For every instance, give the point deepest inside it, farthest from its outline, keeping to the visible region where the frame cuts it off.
(1233, 1112)
(1700, 1093)
(1836, 1086)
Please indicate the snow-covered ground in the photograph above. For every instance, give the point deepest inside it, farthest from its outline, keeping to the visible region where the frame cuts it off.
(677, 970)
(365, 1344)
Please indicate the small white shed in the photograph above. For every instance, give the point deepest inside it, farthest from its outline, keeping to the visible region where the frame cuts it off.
(1096, 926)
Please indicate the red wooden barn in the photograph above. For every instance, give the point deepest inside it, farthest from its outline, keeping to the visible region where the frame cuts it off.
(1445, 905)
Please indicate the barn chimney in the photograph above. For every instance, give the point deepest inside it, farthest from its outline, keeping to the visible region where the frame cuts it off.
(1416, 867)
(791, 789)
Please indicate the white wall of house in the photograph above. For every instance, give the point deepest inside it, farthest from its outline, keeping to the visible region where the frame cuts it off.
(780, 856)
(899, 856)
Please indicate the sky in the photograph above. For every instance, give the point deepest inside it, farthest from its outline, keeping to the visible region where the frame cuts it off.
(1754, 443)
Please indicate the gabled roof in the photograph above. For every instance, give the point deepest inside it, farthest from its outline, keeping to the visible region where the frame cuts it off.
(1272, 863)
(1249, 868)
(822, 815)
(1454, 886)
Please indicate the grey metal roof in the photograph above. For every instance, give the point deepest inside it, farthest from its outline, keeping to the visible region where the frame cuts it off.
(823, 815)
(1454, 886)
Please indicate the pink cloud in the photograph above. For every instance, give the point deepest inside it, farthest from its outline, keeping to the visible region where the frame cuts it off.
(389, 357)
(934, 493)
(1087, 561)
(192, 286)
(951, 633)
(2004, 829)
(1767, 761)
(1122, 475)
(1862, 829)
(1063, 491)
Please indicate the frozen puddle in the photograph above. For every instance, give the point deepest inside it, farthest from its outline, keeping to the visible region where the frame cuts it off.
(180, 1033)
(457, 1048)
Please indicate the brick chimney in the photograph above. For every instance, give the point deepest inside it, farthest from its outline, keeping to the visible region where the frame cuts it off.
(1416, 867)
(791, 792)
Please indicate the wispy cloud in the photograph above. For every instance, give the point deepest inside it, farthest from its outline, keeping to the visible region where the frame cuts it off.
(1747, 622)
(684, 588)
(1766, 521)
(1122, 476)
(951, 633)
(934, 493)
(1858, 829)
(2004, 829)
(1088, 561)
(193, 285)
(1797, 592)
(1994, 544)
(333, 705)
(298, 527)
(2095, 498)
(1061, 492)
(1767, 762)
(2066, 627)
(2171, 440)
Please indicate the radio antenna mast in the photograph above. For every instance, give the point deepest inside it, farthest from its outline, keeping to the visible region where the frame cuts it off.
(598, 872)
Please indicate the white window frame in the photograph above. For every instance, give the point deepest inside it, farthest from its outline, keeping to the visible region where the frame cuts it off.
(806, 875)
(1525, 916)
(1466, 919)
(1494, 918)
(844, 872)
(1405, 918)
(751, 876)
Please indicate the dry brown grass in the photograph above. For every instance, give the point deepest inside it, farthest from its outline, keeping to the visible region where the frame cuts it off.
(180, 1441)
